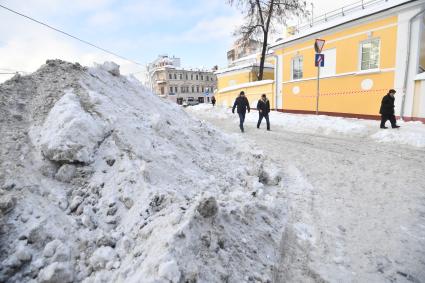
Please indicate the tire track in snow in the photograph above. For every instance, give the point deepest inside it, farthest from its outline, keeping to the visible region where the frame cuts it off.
(365, 206)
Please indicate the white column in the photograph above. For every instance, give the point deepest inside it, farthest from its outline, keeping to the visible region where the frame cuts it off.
(278, 81)
(400, 69)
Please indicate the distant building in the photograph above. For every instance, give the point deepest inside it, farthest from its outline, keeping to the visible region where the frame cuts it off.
(168, 79)
(242, 49)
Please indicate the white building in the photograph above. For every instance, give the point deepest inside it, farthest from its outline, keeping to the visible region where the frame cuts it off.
(167, 79)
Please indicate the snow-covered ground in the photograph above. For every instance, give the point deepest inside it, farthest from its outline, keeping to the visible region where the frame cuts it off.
(356, 205)
(102, 181)
(410, 133)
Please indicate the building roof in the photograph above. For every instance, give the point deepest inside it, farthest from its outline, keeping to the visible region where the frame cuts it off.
(169, 67)
(243, 66)
(344, 15)
(420, 77)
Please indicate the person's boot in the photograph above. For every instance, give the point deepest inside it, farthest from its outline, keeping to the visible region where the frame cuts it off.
(395, 127)
(383, 127)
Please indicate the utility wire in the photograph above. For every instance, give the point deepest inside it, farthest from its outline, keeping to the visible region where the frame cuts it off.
(11, 70)
(70, 35)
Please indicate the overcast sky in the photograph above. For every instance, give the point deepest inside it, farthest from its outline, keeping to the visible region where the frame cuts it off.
(197, 31)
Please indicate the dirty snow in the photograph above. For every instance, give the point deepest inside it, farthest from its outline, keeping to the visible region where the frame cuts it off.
(356, 207)
(101, 181)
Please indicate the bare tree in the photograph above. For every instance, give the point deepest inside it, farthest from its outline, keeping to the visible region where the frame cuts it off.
(261, 17)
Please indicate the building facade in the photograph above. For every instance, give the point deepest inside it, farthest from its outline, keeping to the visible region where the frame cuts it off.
(241, 50)
(242, 74)
(372, 47)
(168, 79)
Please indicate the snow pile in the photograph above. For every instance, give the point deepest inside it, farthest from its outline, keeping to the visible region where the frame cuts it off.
(101, 181)
(70, 133)
(410, 133)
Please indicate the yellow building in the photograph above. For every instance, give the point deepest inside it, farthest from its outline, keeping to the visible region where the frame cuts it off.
(369, 49)
(243, 75)
(365, 55)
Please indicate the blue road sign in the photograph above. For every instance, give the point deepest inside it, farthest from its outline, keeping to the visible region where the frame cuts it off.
(319, 60)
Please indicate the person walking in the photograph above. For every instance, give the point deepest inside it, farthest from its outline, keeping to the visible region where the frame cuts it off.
(213, 100)
(242, 104)
(387, 110)
(263, 107)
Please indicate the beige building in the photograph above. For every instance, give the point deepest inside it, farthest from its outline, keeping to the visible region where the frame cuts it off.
(168, 79)
(241, 50)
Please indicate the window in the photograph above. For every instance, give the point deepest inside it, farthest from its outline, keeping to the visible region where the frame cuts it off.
(202, 89)
(170, 76)
(171, 89)
(202, 77)
(186, 77)
(369, 54)
(176, 89)
(193, 89)
(330, 63)
(191, 76)
(182, 89)
(162, 90)
(297, 68)
(175, 76)
(197, 88)
(197, 77)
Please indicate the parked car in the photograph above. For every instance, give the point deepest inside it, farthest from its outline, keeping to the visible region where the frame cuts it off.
(192, 101)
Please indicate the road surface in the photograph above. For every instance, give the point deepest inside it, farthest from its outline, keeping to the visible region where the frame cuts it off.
(357, 207)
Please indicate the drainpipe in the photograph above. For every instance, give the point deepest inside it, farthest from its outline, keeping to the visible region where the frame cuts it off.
(406, 72)
(275, 80)
(275, 76)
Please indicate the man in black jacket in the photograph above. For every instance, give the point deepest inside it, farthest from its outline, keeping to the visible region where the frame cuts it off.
(387, 110)
(242, 104)
(263, 107)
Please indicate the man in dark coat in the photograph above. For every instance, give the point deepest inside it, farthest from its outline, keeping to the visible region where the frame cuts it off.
(213, 101)
(263, 107)
(242, 104)
(387, 110)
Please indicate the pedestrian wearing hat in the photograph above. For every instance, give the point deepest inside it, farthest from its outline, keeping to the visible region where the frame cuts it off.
(242, 104)
(387, 110)
(263, 107)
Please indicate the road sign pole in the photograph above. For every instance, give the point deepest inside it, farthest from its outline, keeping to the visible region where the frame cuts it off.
(318, 89)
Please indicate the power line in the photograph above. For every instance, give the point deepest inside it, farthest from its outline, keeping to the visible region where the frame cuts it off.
(11, 70)
(70, 35)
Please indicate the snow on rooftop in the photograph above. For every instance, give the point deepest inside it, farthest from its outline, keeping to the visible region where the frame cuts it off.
(243, 66)
(420, 76)
(342, 16)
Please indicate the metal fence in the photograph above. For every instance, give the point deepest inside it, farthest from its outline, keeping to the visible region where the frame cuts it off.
(341, 12)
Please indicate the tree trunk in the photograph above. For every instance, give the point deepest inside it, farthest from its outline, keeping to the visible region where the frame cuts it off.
(263, 57)
(266, 29)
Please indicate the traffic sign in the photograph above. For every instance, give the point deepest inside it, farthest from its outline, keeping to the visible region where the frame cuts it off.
(319, 60)
(318, 45)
